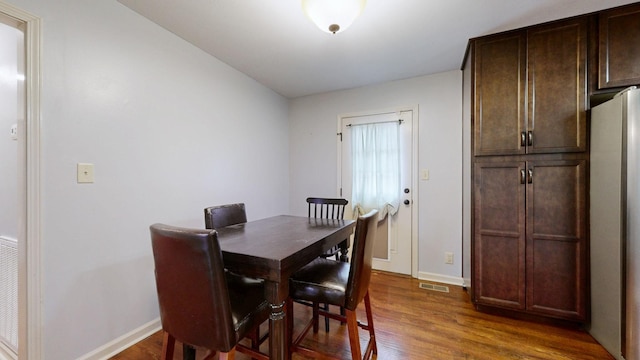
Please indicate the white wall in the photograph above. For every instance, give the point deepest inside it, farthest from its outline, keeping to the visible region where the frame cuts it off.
(313, 156)
(8, 117)
(170, 130)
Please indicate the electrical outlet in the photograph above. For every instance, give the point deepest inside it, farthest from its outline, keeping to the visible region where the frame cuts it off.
(85, 173)
(448, 258)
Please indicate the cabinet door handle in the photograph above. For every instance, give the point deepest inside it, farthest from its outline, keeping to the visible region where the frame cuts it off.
(530, 179)
(523, 140)
(522, 177)
(530, 138)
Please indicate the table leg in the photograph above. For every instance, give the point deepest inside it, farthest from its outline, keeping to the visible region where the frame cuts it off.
(277, 344)
(276, 295)
(344, 251)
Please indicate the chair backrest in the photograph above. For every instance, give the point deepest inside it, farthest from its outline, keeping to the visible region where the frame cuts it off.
(192, 288)
(361, 259)
(326, 208)
(216, 217)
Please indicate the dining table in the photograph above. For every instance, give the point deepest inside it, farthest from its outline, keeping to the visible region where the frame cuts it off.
(273, 249)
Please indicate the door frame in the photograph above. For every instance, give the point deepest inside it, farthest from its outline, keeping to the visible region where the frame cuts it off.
(414, 169)
(29, 259)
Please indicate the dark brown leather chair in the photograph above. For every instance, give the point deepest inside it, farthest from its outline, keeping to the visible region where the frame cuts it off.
(201, 304)
(328, 208)
(219, 216)
(341, 284)
(216, 217)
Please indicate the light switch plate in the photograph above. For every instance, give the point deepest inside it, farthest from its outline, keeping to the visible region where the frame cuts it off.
(85, 173)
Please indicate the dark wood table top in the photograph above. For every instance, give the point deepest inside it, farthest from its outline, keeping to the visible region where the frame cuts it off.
(274, 247)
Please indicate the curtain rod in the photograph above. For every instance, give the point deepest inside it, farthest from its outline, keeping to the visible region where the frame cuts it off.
(399, 121)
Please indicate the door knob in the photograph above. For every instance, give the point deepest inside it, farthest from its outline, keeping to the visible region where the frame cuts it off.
(406, 191)
(407, 202)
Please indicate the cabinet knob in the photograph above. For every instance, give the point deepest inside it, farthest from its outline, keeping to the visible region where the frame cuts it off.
(523, 139)
(530, 180)
(530, 138)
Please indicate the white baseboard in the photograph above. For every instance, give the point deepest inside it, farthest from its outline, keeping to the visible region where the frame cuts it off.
(452, 280)
(127, 340)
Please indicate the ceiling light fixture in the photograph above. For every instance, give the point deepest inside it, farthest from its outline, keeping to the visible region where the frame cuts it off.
(333, 16)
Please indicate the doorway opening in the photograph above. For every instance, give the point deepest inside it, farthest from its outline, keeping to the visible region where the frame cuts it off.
(395, 248)
(11, 112)
(23, 66)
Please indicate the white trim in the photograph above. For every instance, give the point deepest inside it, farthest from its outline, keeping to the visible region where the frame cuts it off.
(452, 280)
(415, 249)
(116, 346)
(29, 287)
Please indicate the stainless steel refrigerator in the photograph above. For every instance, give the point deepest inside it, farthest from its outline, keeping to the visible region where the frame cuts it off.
(615, 224)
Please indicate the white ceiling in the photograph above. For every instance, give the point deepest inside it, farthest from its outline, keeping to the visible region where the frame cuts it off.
(273, 42)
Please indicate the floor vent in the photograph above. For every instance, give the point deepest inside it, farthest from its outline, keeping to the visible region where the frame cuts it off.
(432, 287)
(9, 293)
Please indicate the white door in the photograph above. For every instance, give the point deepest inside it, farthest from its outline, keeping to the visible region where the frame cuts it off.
(394, 244)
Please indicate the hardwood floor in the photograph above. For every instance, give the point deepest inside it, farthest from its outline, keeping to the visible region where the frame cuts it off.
(414, 323)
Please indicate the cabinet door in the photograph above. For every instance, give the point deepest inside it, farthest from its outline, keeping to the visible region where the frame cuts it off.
(499, 85)
(556, 238)
(498, 245)
(556, 83)
(619, 51)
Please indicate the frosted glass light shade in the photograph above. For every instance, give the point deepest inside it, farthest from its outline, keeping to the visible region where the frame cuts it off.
(333, 16)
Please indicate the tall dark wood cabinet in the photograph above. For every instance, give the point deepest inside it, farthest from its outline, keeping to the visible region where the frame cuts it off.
(529, 92)
(529, 247)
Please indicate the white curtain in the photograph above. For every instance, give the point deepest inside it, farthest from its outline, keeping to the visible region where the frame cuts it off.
(375, 151)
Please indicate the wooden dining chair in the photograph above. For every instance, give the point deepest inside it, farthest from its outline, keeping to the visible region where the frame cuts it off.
(328, 208)
(201, 304)
(341, 284)
(219, 216)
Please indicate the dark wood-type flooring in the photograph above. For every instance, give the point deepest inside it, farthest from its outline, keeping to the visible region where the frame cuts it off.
(414, 323)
